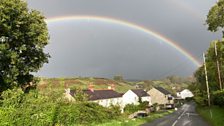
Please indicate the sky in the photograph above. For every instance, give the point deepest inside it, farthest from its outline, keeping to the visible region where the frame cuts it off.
(92, 48)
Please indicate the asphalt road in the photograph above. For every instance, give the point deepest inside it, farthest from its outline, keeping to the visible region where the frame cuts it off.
(185, 116)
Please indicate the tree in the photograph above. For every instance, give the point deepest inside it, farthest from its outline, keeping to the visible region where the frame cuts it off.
(211, 67)
(215, 22)
(215, 17)
(148, 84)
(199, 88)
(23, 35)
(118, 78)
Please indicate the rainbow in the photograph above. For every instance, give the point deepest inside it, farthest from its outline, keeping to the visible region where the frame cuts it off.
(164, 39)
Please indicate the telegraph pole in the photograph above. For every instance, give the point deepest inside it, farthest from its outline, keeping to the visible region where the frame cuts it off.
(206, 79)
(218, 69)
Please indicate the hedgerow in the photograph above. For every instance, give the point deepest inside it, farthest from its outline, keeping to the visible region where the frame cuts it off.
(38, 109)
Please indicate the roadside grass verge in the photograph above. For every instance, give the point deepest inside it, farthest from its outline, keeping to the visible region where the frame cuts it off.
(214, 115)
(135, 122)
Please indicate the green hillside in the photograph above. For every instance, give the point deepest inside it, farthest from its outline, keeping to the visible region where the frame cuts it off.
(98, 83)
(103, 83)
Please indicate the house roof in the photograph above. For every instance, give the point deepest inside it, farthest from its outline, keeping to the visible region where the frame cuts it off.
(100, 94)
(162, 90)
(140, 92)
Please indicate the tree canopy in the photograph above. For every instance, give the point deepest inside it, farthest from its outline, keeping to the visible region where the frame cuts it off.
(215, 17)
(215, 22)
(23, 36)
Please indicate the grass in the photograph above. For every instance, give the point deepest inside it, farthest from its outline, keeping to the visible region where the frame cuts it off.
(99, 83)
(214, 115)
(136, 122)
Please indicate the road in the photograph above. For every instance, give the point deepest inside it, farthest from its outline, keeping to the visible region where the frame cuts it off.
(185, 116)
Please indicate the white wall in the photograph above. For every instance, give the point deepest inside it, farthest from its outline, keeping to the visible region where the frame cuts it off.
(130, 98)
(109, 102)
(148, 99)
(186, 93)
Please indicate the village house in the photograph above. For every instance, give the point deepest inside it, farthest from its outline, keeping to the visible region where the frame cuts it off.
(134, 95)
(161, 96)
(104, 97)
(185, 94)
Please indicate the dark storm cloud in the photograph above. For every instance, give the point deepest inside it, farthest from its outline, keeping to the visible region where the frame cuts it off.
(96, 49)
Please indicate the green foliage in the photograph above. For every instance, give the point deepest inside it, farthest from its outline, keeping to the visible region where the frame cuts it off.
(143, 105)
(81, 113)
(217, 114)
(215, 21)
(80, 96)
(114, 111)
(215, 18)
(148, 84)
(136, 122)
(118, 78)
(36, 109)
(199, 88)
(201, 100)
(131, 108)
(218, 98)
(23, 35)
(27, 109)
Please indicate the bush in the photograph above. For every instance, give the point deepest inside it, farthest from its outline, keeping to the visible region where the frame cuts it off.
(218, 98)
(19, 108)
(84, 113)
(131, 108)
(201, 100)
(143, 105)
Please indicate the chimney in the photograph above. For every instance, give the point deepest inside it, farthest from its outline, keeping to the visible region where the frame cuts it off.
(91, 87)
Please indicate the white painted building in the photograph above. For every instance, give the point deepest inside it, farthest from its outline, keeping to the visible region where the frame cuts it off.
(133, 96)
(185, 94)
(106, 97)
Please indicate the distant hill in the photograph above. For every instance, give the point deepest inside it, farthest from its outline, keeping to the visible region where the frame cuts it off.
(103, 83)
(98, 83)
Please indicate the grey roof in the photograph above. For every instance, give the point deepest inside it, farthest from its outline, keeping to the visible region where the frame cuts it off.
(140, 92)
(162, 90)
(100, 94)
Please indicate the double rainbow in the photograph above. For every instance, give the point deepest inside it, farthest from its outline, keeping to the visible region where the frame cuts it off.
(164, 39)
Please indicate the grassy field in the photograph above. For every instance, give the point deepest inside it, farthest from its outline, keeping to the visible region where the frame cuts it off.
(99, 83)
(136, 122)
(214, 115)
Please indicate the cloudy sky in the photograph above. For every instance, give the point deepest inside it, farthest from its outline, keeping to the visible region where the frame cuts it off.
(104, 49)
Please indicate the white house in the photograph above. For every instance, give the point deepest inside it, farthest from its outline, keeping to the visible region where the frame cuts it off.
(185, 94)
(133, 96)
(105, 97)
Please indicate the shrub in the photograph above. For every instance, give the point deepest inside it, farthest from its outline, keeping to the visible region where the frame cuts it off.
(131, 108)
(19, 108)
(114, 111)
(143, 105)
(201, 100)
(218, 98)
(84, 113)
